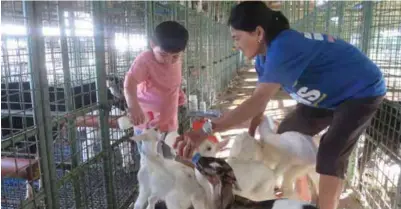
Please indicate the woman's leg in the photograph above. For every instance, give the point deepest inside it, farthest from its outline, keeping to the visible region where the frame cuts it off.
(306, 120)
(349, 121)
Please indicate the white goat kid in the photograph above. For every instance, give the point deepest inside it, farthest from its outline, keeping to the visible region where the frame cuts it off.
(290, 154)
(165, 179)
(255, 179)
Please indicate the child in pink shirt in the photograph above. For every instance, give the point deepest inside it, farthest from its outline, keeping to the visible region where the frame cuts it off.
(152, 86)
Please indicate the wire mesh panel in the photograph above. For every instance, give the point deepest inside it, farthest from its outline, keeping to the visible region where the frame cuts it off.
(125, 38)
(373, 27)
(162, 11)
(385, 44)
(181, 16)
(72, 75)
(193, 54)
(19, 130)
(60, 62)
(380, 160)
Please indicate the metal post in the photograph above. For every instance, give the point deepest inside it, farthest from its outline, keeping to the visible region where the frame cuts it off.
(340, 17)
(328, 17)
(199, 55)
(175, 6)
(112, 47)
(315, 11)
(367, 25)
(305, 17)
(397, 203)
(69, 102)
(41, 101)
(186, 56)
(98, 18)
(149, 20)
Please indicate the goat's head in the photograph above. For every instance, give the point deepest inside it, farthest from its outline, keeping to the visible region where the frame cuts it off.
(211, 146)
(245, 147)
(267, 126)
(115, 85)
(219, 179)
(208, 147)
(149, 139)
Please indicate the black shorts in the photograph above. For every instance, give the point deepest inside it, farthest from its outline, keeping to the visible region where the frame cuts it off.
(347, 122)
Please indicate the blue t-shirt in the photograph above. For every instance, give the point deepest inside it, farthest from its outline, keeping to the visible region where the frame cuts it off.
(319, 70)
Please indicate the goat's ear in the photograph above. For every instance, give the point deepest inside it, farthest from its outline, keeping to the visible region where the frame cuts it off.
(222, 144)
(267, 126)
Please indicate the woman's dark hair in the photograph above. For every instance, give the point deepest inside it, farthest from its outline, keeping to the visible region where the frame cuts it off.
(171, 36)
(247, 15)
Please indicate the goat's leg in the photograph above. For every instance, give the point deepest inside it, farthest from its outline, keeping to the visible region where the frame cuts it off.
(174, 201)
(152, 200)
(135, 155)
(280, 169)
(144, 188)
(289, 179)
(142, 197)
(29, 191)
(199, 202)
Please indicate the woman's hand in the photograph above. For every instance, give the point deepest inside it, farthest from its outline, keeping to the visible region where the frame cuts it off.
(255, 122)
(187, 143)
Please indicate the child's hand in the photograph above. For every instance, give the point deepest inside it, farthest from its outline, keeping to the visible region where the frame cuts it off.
(136, 115)
(182, 98)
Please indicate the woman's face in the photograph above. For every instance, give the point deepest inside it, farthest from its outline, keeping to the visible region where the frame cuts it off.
(248, 42)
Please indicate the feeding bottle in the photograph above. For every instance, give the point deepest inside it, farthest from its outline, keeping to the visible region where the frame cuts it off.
(125, 123)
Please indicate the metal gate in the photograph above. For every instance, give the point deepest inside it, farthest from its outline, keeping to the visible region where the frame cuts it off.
(61, 147)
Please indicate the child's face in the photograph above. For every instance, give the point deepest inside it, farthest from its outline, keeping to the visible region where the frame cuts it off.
(165, 57)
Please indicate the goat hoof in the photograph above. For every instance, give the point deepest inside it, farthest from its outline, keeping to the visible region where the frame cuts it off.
(161, 205)
(276, 189)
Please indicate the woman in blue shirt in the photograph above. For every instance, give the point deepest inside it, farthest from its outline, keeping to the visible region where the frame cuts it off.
(333, 82)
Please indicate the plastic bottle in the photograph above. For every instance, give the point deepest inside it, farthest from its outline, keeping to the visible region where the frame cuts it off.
(202, 106)
(193, 103)
(125, 123)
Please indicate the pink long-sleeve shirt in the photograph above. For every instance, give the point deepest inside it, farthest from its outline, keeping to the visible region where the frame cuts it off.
(158, 89)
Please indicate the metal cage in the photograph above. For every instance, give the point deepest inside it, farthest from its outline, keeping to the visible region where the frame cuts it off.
(61, 145)
(373, 27)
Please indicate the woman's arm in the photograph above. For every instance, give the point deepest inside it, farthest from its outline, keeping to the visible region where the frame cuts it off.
(253, 106)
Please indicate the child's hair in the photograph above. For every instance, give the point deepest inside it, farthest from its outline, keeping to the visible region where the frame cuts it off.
(170, 36)
(247, 15)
